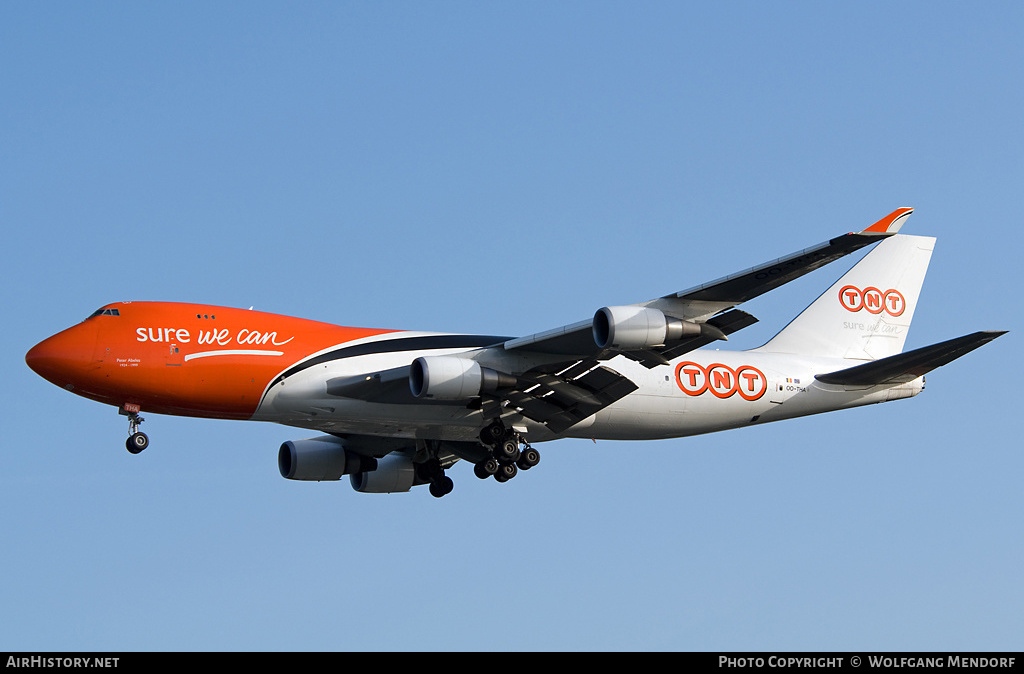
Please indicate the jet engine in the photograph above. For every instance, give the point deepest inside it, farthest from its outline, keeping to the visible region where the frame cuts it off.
(633, 327)
(454, 378)
(320, 459)
(394, 473)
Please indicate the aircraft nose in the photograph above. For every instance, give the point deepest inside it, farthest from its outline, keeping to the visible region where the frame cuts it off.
(60, 358)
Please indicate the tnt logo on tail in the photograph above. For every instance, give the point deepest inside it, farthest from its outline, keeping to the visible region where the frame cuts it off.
(872, 300)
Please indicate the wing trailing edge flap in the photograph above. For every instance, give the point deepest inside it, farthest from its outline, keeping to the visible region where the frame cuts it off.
(557, 399)
(562, 400)
(905, 367)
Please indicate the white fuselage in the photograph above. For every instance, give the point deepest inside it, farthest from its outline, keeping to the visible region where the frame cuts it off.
(702, 392)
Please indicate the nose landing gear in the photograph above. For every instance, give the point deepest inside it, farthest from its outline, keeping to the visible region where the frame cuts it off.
(137, 440)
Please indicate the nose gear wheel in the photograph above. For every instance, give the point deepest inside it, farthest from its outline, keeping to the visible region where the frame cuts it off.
(137, 440)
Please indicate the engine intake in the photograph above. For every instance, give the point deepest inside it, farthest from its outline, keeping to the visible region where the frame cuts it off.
(320, 459)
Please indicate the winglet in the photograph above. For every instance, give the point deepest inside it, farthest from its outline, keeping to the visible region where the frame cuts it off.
(891, 223)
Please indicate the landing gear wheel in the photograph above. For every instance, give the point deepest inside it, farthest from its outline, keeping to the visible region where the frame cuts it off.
(505, 459)
(529, 458)
(493, 434)
(506, 472)
(486, 468)
(137, 442)
(441, 486)
(507, 450)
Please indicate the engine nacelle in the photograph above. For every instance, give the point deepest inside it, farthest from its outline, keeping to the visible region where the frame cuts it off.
(320, 459)
(633, 327)
(394, 473)
(454, 378)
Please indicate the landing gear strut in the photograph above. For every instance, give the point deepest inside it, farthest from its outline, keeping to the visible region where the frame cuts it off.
(505, 459)
(137, 440)
(440, 484)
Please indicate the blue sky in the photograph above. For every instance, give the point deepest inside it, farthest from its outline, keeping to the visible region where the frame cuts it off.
(505, 168)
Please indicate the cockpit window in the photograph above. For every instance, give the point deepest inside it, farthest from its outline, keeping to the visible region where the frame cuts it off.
(105, 312)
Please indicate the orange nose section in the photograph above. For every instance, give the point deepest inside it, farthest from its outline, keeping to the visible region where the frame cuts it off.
(63, 358)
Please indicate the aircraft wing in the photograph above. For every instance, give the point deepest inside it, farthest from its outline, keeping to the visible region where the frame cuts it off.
(558, 399)
(559, 380)
(696, 313)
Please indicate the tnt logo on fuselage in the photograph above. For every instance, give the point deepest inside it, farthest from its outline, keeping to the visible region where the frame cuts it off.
(873, 300)
(721, 380)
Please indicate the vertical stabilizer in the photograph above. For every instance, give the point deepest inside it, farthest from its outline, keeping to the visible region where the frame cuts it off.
(866, 315)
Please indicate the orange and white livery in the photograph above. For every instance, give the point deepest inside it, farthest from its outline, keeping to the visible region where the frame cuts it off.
(396, 408)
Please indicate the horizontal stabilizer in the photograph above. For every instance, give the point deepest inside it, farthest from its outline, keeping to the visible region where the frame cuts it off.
(905, 367)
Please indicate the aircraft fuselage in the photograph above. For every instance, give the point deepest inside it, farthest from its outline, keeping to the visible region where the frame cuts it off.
(217, 362)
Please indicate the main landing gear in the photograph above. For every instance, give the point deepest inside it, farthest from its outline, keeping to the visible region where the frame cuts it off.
(137, 440)
(505, 458)
(507, 453)
(432, 472)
